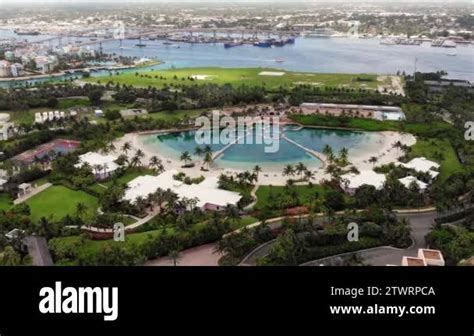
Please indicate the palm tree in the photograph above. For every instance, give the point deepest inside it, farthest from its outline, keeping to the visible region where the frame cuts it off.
(126, 147)
(327, 150)
(343, 154)
(288, 170)
(156, 163)
(208, 159)
(373, 160)
(174, 255)
(300, 168)
(140, 153)
(135, 161)
(185, 156)
(309, 175)
(97, 169)
(81, 209)
(257, 170)
(198, 151)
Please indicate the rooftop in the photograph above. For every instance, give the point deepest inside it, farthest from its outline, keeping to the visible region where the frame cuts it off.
(207, 192)
(368, 177)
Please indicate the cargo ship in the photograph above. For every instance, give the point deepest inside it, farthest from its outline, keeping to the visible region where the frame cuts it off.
(26, 32)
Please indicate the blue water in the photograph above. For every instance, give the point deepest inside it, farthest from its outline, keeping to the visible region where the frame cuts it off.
(330, 55)
(317, 139)
(246, 155)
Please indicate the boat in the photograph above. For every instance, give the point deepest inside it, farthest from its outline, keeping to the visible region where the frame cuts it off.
(232, 44)
(26, 32)
(449, 44)
(167, 43)
(263, 44)
(140, 44)
(279, 60)
(388, 41)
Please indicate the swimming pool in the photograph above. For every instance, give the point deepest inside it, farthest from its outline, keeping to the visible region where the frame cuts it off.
(244, 156)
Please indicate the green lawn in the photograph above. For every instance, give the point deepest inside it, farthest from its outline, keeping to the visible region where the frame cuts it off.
(175, 115)
(305, 193)
(5, 201)
(431, 149)
(247, 76)
(130, 174)
(28, 117)
(59, 201)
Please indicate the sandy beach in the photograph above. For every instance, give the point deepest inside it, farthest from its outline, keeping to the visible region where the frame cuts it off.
(384, 152)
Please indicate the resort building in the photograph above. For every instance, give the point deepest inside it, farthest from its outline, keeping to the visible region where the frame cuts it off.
(432, 257)
(408, 180)
(363, 111)
(103, 166)
(207, 193)
(413, 261)
(426, 257)
(423, 165)
(5, 69)
(351, 182)
(2, 183)
(6, 127)
(133, 112)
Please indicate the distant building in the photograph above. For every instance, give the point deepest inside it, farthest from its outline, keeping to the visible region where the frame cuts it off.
(363, 111)
(9, 55)
(133, 112)
(6, 127)
(438, 86)
(5, 69)
(46, 64)
(16, 69)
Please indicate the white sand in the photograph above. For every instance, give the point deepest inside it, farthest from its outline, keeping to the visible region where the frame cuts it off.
(271, 73)
(385, 153)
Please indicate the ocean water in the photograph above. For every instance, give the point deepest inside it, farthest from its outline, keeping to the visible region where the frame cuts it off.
(327, 55)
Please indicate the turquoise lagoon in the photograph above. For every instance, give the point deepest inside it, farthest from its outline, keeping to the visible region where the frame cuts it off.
(245, 155)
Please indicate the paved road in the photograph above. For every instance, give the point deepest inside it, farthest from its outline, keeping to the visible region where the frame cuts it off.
(203, 255)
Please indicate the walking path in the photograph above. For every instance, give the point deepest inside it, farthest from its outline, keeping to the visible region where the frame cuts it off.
(204, 255)
(138, 223)
(318, 155)
(33, 192)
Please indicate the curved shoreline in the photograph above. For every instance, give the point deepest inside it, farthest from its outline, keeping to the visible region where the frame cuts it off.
(383, 151)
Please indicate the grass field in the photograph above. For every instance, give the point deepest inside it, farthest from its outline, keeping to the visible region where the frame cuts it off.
(175, 115)
(238, 76)
(372, 125)
(431, 149)
(6, 201)
(59, 201)
(305, 193)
